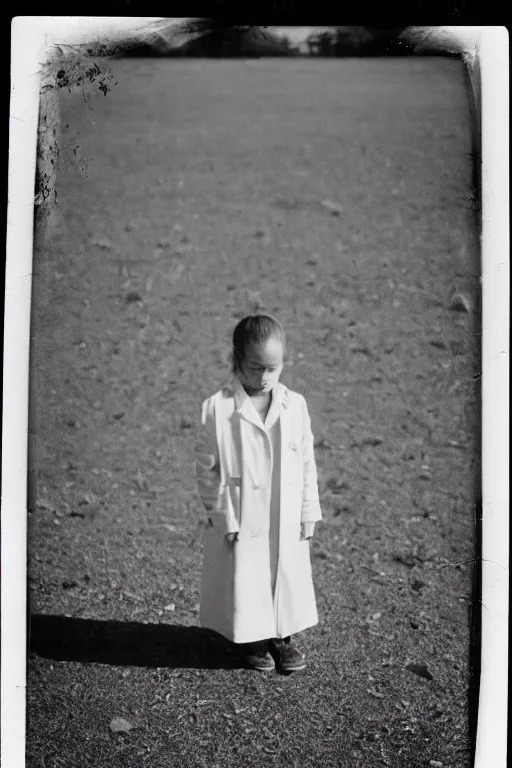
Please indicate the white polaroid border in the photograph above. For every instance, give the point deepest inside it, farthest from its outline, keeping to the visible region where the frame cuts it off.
(491, 745)
(487, 47)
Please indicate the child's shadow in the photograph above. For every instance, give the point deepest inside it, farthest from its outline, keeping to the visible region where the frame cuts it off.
(129, 643)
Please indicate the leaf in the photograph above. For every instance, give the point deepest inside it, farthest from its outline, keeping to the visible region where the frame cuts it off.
(103, 244)
(87, 498)
(45, 504)
(373, 441)
(133, 296)
(120, 725)
(460, 302)
(420, 670)
(334, 208)
(171, 528)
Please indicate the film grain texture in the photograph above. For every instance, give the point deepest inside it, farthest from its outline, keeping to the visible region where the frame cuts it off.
(337, 195)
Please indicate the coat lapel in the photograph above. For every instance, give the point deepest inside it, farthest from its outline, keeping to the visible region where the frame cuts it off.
(243, 404)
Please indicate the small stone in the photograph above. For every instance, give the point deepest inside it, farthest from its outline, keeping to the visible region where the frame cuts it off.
(436, 764)
(120, 725)
(170, 607)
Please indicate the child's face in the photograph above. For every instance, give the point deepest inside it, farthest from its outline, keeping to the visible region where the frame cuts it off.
(262, 366)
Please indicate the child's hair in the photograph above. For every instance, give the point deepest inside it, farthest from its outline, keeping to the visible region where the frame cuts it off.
(254, 329)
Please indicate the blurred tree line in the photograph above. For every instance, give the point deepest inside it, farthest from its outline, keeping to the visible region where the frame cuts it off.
(247, 42)
(358, 41)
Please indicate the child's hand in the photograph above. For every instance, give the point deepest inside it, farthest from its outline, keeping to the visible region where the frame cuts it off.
(308, 530)
(232, 537)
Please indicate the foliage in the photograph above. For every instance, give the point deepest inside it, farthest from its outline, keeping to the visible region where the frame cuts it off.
(358, 41)
(73, 68)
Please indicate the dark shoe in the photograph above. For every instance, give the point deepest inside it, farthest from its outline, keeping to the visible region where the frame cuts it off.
(256, 655)
(288, 658)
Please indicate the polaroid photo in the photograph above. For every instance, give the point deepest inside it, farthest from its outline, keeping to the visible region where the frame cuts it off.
(255, 417)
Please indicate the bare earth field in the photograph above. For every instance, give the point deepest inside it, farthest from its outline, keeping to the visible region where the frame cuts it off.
(190, 195)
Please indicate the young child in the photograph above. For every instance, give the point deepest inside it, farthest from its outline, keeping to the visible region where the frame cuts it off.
(256, 476)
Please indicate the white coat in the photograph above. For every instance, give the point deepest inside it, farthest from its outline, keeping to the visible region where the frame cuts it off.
(233, 466)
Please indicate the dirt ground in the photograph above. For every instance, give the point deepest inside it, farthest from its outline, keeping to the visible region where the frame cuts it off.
(188, 196)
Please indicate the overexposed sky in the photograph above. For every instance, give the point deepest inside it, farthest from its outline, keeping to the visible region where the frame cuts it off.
(297, 34)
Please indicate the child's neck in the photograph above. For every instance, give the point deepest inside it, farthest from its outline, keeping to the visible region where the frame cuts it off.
(254, 393)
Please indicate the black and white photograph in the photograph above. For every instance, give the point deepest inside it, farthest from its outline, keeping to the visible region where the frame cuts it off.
(254, 408)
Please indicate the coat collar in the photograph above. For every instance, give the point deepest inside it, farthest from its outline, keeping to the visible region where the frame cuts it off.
(235, 388)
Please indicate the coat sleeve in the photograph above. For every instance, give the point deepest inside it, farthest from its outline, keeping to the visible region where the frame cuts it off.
(311, 511)
(208, 476)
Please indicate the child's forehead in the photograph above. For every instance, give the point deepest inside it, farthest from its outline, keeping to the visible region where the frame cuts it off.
(270, 351)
